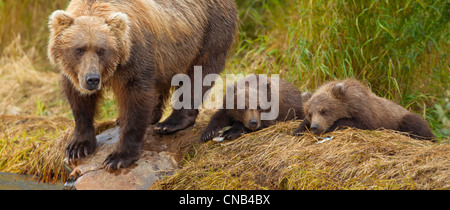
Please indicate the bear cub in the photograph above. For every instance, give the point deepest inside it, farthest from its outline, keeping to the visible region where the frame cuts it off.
(349, 103)
(248, 119)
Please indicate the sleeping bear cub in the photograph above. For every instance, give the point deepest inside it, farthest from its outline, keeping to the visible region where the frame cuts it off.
(251, 104)
(350, 103)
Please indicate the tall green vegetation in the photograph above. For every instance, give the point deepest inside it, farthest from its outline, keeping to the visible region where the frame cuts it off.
(400, 48)
(27, 19)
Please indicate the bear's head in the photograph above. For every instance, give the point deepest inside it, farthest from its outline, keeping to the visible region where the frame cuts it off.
(326, 106)
(88, 48)
(249, 104)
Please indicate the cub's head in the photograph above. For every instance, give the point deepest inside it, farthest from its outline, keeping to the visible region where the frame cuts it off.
(88, 48)
(251, 118)
(326, 106)
(249, 106)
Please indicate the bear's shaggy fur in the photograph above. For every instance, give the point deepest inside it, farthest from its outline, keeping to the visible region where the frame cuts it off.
(349, 103)
(135, 47)
(249, 120)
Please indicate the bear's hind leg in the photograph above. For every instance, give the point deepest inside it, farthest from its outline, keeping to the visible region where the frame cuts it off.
(219, 36)
(415, 125)
(162, 95)
(178, 120)
(183, 118)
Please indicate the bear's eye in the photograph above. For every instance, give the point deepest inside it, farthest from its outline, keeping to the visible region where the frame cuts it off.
(101, 52)
(323, 112)
(79, 51)
(310, 115)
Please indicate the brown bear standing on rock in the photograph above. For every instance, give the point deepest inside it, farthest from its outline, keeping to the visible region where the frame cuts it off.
(135, 47)
(290, 106)
(350, 103)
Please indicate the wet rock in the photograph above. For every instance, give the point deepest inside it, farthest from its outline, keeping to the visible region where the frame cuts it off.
(140, 176)
(90, 175)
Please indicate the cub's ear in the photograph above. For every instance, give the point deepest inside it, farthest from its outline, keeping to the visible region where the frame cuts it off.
(59, 21)
(338, 90)
(306, 96)
(120, 27)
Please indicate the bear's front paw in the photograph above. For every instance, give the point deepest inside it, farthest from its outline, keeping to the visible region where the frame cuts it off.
(232, 134)
(117, 160)
(80, 148)
(209, 135)
(300, 131)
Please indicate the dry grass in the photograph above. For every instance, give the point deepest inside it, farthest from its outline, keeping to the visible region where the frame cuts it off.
(268, 159)
(25, 90)
(273, 159)
(35, 145)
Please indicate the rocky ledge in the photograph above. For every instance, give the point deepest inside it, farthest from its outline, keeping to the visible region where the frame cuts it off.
(159, 159)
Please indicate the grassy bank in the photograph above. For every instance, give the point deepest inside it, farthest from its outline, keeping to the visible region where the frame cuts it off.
(400, 48)
(273, 159)
(34, 146)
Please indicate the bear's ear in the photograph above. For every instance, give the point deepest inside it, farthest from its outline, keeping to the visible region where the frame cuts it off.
(120, 27)
(306, 96)
(338, 90)
(118, 23)
(59, 21)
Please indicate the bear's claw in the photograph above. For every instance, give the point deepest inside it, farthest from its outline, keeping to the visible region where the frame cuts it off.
(208, 135)
(299, 132)
(78, 150)
(116, 161)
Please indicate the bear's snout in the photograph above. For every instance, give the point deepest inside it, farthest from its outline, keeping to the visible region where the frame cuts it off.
(314, 129)
(92, 81)
(253, 123)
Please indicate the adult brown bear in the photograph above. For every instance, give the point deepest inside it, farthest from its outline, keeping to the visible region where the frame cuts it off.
(135, 47)
(349, 103)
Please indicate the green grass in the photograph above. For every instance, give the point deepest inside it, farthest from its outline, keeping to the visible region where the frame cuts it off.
(28, 19)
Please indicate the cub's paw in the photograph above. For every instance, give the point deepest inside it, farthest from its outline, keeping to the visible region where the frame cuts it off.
(117, 160)
(232, 134)
(80, 148)
(300, 131)
(209, 135)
